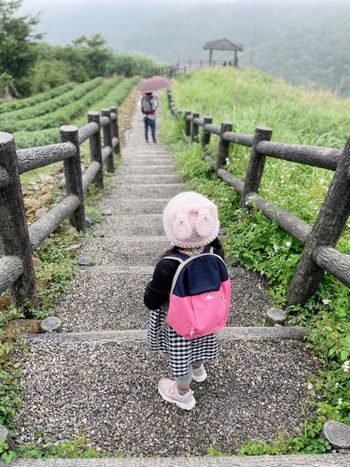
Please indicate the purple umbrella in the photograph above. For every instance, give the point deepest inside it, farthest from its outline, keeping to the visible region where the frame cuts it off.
(154, 84)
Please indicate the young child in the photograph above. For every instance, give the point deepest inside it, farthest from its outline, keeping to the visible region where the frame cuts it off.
(181, 219)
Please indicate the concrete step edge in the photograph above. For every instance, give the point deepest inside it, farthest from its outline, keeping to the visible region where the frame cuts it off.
(310, 460)
(276, 333)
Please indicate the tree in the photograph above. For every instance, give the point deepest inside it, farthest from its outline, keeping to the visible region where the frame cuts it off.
(18, 44)
(95, 53)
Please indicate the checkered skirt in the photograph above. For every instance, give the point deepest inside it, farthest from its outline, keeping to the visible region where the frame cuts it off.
(182, 352)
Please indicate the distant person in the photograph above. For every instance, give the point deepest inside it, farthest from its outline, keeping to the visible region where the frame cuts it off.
(189, 295)
(149, 104)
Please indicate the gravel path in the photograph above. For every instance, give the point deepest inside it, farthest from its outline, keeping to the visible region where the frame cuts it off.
(108, 392)
(103, 299)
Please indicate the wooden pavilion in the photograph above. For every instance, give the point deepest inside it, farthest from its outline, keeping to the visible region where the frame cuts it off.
(223, 44)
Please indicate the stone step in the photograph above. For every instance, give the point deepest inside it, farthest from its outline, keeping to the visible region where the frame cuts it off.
(147, 179)
(136, 206)
(147, 170)
(147, 161)
(311, 460)
(148, 190)
(111, 298)
(131, 225)
(138, 251)
(107, 389)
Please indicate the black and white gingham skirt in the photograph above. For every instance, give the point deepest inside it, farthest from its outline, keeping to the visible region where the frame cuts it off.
(182, 352)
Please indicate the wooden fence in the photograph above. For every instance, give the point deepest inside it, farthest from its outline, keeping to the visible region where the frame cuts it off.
(17, 240)
(320, 239)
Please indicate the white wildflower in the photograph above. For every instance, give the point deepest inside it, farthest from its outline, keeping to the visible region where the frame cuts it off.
(288, 244)
(340, 401)
(336, 385)
(310, 386)
(326, 301)
(276, 248)
(346, 366)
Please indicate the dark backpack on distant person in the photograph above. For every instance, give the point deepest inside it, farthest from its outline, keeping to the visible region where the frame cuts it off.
(149, 105)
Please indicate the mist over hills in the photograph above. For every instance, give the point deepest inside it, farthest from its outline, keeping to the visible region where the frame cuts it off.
(300, 41)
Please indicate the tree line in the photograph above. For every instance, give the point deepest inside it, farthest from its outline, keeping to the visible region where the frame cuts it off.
(29, 65)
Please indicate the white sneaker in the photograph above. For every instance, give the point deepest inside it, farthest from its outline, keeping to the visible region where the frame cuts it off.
(168, 390)
(199, 374)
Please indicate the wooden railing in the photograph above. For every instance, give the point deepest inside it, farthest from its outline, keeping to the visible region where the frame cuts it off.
(17, 239)
(320, 239)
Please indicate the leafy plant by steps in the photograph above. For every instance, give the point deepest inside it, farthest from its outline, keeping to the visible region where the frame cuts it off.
(260, 245)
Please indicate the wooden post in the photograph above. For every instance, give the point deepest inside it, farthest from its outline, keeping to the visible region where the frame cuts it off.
(235, 62)
(210, 57)
(194, 135)
(95, 148)
(326, 231)
(115, 130)
(206, 134)
(223, 146)
(72, 175)
(107, 139)
(256, 164)
(187, 123)
(14, 236)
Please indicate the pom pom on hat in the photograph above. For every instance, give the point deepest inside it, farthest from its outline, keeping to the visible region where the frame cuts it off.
(190, 220)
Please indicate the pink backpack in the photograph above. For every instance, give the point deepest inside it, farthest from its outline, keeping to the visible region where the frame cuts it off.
(200, 295)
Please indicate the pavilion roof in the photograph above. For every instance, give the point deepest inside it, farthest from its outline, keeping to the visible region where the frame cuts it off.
(223, 44)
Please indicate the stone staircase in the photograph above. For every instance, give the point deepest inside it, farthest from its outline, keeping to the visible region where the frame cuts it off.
(98, 380)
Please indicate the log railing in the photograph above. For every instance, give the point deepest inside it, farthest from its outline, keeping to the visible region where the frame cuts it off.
(17, 239)
(319, 240)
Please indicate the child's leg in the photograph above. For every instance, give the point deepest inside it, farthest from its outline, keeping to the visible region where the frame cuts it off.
(196, 365)
(183, 382)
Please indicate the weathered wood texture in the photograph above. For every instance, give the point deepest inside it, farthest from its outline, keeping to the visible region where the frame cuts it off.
(104, 121)
(223, 146)
(207, 120)
(90, 174)
(11, 268)
(14, 237)
(33, 158)
(106, 152)
(51, 324)
(187, 123)
(333, 261)
(43, 227)
(326, 158)
(115, 131)
(72, 174)
(256, 164)
(238, 138)
(95, 149)
(107, 139)
(291, 224)
(87, 131)
(235, 182)
(338, 434)
(326, 231)
(195, 129)
(4, 178)
(198, 121)
(213, 129)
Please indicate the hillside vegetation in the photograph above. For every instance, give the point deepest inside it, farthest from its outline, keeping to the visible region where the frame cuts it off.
(247, 98)
(297, 40)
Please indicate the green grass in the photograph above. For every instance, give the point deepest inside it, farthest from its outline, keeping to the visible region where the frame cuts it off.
(248, 98)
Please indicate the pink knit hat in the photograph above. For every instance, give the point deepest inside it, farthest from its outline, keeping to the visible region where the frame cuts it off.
(190, 220)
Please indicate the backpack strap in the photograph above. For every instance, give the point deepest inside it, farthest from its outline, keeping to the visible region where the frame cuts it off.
(175, 258)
